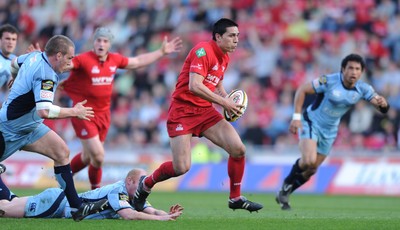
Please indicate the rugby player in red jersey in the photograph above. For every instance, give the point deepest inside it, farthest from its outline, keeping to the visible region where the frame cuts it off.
(192, 113)
(92, 78)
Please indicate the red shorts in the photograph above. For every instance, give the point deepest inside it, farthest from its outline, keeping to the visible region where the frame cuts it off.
(185, 119)
(98, 125)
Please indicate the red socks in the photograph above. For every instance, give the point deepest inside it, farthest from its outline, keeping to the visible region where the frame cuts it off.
(235, 172)
(95, 176)
(77, 163)
(164, 172)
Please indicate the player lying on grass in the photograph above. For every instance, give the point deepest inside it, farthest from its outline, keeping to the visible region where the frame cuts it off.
(52, 203)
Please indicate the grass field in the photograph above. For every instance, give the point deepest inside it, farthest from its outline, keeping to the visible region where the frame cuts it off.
(209, 211)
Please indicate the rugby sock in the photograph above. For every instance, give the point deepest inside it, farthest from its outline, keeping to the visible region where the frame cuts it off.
(164, 172)
(95, 176)
(299, 181)
(293, 173)
(235, 172)
(5, 193)
(64, 178)
(77, 163)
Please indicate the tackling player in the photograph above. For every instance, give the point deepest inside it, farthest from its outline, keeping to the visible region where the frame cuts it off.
(317, 127)
(29, 102)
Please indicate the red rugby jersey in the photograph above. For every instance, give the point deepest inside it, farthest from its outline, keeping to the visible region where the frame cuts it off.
(93, 79)
(206, 59)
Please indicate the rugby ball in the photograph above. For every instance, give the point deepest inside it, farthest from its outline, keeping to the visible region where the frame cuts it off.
(239, 97)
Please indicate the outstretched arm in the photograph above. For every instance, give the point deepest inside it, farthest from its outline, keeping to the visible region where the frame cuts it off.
(50, 111)
(173, 46)
(130, 214)
(158, 212)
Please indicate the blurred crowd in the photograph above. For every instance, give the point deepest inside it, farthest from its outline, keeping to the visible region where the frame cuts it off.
(283, 43)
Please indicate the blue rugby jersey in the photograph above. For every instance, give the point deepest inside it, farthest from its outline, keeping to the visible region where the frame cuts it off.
(5, 68)
(333, 101)
(36, 82)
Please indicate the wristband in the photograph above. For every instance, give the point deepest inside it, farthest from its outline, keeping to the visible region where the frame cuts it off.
(54, 111)
(296, 116)
(384, 109)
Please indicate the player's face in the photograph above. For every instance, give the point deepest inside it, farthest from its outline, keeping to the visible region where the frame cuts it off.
(352, 73)
(8, 43)
(64, 61)
(101, 46)
(229, 40)
(133, 183)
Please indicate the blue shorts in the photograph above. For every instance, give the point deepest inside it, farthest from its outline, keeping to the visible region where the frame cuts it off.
(310, 131)
(15, 141)
(50, 203)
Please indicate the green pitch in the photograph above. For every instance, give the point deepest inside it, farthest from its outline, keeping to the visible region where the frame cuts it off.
(209, 211)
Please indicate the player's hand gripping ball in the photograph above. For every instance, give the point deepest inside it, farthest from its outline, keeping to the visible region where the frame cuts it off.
(239, 97)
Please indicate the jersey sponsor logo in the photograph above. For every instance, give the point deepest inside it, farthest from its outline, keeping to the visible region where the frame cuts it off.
(198, 66)
(102, 80)
(201, 52)
(32, 207)
(123, 196)
(47, 85)
(44, 94)
(332, 112)
(95, 69)
(212, 79)
(113, 68)
(179, 127)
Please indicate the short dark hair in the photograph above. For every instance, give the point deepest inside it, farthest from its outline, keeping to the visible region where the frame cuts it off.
(58, 43)
(8, 28)
(221, 25)
(355, 58)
